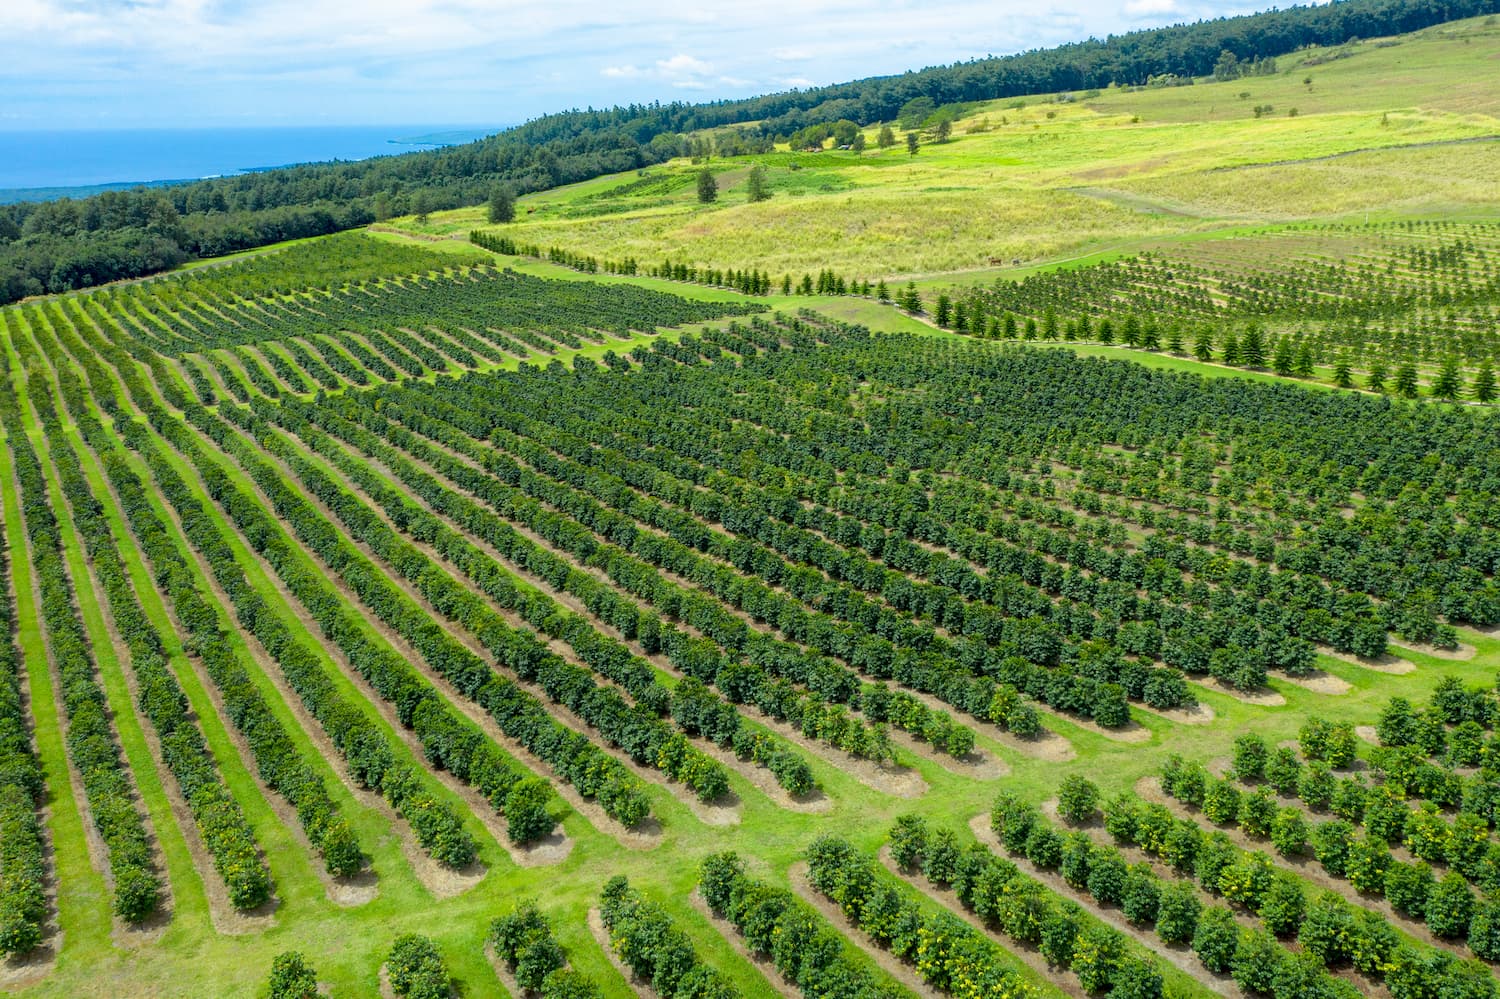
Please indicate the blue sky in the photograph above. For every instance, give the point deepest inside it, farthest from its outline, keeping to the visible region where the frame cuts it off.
(134, 63)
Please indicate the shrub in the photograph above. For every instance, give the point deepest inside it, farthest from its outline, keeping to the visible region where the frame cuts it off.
(909, 841)
(292, 977)
(416, 968)
(526, 816)
(1289, 832)
(1077, 800)
(1250, 757)
(1450, 906)
(1484, 929)
(1407, 887)
(1258, 813)
(1096, 956)
(1328, 929)
(1142, 897)
(1216, 938)
(1177, 913)
(1255, 962)
(1137, 978)
(1283, 905)
(1221, 803)
(1333, 842)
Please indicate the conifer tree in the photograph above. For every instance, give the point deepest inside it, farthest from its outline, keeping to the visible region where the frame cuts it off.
(1406, 381)
(1447, 384)
(756, 186)
(708, 186)
(1484, 383)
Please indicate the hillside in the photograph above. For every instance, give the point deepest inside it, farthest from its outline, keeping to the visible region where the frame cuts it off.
(1395, 128)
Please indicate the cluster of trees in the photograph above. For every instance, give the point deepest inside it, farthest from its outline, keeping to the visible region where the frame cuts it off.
(636, 729)
(747, 683)
(65, 245)
(455, 741)
(23, 845)
(778, 925)
(642, 933)
(1332, 932)
(1447, 905)
(1032, 915)
(1423, 316)
(948, 954)
(219, 818)
(415, 968)
(444, 307)
(523, 940)
(762, 679)
(92, 745)
(370, 757)
(849, 641)
(809, 588)
(696, 710)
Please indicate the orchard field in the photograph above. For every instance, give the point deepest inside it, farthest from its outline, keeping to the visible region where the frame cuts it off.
(1038, 565)
(450, 617)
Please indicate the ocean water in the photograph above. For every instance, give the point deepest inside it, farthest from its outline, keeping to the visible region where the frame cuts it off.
(59, 159)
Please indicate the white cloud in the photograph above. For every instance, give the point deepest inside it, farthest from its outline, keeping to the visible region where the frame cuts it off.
(185, 62)
(1150, 8)
(682, 65)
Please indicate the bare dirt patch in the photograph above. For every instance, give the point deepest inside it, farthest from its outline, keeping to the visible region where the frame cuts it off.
(1260, 698)
(1131, 733)
(1198, 714)
(1320, 683)
(552, 848)
(1464, 651)
(1384, 663)
(1368, 734)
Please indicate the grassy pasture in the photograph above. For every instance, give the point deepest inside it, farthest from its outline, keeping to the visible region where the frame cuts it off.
(1384, 128)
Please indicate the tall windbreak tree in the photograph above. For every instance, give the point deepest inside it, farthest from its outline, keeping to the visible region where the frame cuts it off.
(708, 186)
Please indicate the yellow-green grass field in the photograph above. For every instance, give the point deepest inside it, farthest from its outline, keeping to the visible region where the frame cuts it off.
(1392, 128)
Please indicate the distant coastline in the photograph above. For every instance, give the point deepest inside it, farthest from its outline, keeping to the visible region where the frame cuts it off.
(44, 165)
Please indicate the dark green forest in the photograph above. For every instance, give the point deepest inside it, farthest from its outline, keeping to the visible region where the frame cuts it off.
(66, 244)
